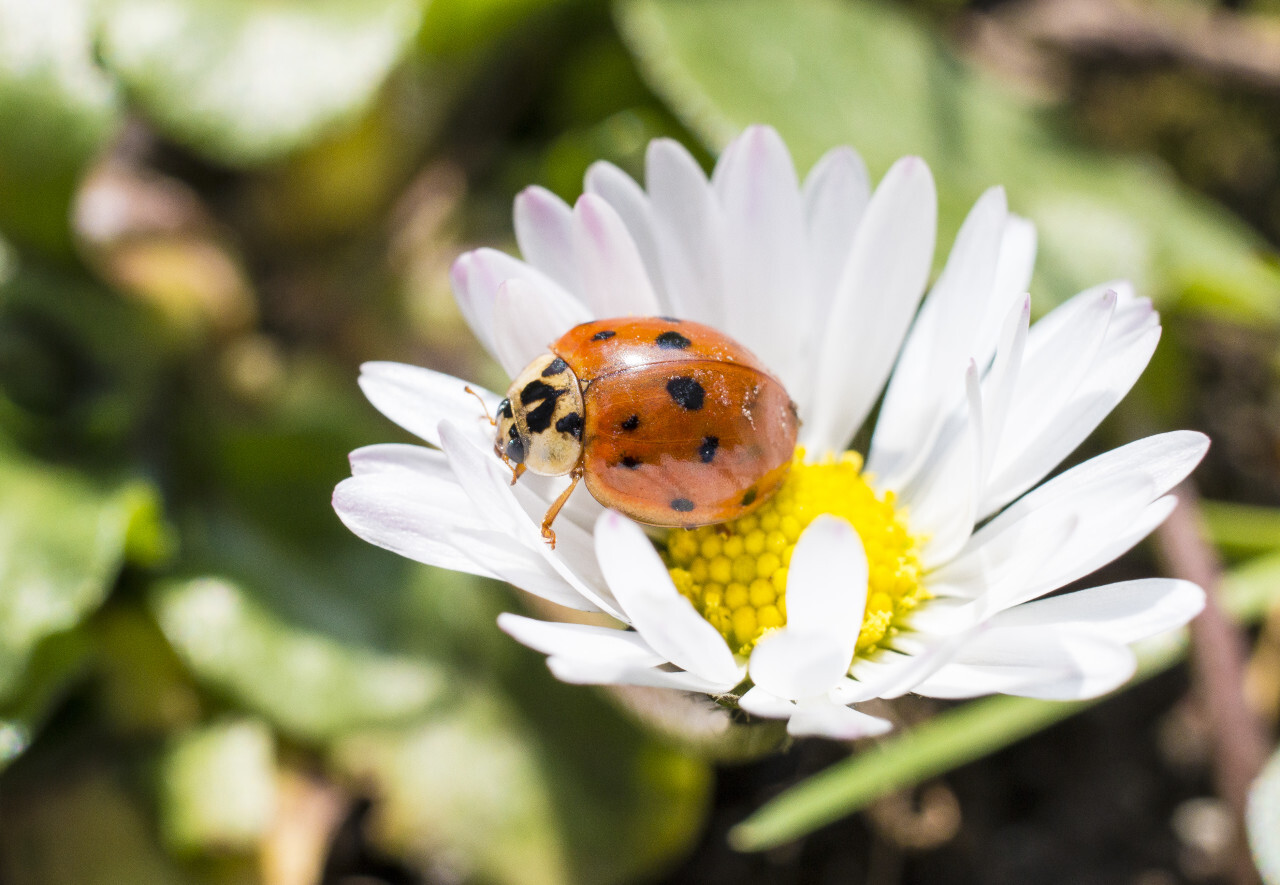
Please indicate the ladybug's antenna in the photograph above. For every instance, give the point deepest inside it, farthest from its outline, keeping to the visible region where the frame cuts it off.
(484, 407)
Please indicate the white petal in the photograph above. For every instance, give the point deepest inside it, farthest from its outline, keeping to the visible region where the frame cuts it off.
(438, 525)
(793, 664)
(765, 259)
(1049, 325)
(830, 720)
(759, 702)
(476, 310)
(527, 321)
(1123, 613)
(1098, 515)
(476, 278)
(487, 482)
(1000, 383)
(1013, 277)
(614, 280)
(891, 674)
(628, 199)
(594, 673)
(419, 399)
(928, 382)
(943, 504)
(1162, 461)
(666, 620)
(409, 517)
(688, 227)
(544, 232)
(827, 580)
(1101, 544)
(1042, 431)
(394, 457)
(877, 296)
(1048, 663)
(1047, 380)
(422, 480)
(580, 642)
(836, 192)
(1017, 258)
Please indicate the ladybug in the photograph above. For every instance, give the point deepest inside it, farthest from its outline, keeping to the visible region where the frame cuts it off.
(669, 421)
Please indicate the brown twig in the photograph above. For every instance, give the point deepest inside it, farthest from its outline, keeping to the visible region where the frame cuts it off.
(1218, 654)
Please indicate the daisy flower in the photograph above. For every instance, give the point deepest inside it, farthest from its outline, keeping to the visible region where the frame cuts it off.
(922, 565)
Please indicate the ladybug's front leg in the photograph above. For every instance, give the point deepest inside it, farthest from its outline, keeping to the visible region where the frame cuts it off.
(517, 470)
(554, 510)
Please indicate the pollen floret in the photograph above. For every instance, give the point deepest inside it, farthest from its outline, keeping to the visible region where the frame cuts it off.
(735, 574)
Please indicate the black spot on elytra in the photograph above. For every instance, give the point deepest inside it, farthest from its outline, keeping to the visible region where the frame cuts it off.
(604, 335)
(707, 451)
(749, 498)
(571, 424)
(555, 367)
(687, 393)
(504, 409)
(669, 319)
(631, 423)
(629, 462)
(672, 341)
(682, 505)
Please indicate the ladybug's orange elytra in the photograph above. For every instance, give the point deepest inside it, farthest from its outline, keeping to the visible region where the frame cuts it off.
(669, 421)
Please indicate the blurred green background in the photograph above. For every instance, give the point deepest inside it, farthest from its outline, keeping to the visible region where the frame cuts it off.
(211, 211)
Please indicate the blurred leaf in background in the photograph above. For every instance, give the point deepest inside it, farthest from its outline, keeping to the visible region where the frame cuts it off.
(57, 111)
(63, 541)
(243, 82)
(872, 75)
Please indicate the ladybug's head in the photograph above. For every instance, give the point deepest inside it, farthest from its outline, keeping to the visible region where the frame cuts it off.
(539, 424)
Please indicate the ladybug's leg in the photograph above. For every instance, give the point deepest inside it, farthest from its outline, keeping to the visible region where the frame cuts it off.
(554, 510)
(484, 409)
(517, 470)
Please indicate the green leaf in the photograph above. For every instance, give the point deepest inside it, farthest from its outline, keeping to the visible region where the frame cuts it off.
(1242, 529)
(827, 73)
(78, 823)
(459, 786)
(56, 664)
(1263, 819)
(57, 110)
(217, 787)
(62, 542)
(457, 27)
(79, 367)
(245, 82)
(508, 797)
(316, 686)
(965, 733)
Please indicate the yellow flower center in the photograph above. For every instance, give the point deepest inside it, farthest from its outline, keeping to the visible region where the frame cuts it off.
(735, 573)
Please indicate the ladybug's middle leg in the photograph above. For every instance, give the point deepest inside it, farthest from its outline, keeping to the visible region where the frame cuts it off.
(554, 510)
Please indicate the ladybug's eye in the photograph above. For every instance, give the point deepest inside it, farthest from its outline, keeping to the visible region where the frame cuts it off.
(515, 446)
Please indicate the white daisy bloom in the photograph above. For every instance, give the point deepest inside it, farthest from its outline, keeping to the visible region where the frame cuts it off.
(921, 573)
